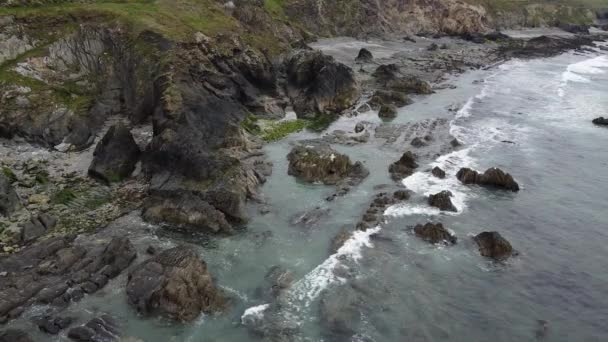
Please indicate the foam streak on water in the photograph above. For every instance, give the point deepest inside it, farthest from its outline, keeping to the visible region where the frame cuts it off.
(308, 288)
(574, 72)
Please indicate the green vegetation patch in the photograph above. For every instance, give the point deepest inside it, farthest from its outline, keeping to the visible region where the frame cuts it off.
(64, 196)
(280, 130)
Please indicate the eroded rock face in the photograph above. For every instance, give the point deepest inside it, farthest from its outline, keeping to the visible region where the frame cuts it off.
(442, 201)
(493, 245)
(115, 156)
(434, 233)
(404, 167)
(175, 283)
(321, 163)
(58, 271)
(493, 177)
(317, 84)
(187, 211)
(9, 200)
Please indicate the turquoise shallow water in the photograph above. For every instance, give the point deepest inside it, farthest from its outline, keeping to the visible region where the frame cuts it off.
(531, 118)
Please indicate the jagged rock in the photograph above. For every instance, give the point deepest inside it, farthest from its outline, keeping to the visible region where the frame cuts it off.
(601, 121)
(401, 195)
(52, 325)
(493, 245)
(387, 112)
(175, 283)
(404, 167)
(442, 201)
(115, 155)
(389, 97)
(493, 177)
(364, 56)
(320, 163)
(100, 329)
(15, 335)
(309, 218)
(9, 200)
(187, 211)
(37, 226)
(317, 84)
(418, 142)
(360, 127)
(434, 233)
(56, 270)
(455, 143)
(438, 172)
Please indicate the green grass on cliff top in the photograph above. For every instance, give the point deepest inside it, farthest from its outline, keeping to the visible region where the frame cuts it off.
(175, 19)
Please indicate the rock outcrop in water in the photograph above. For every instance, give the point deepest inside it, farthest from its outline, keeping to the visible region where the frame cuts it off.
(364, 56)
(321, 163)
(493, 245)
(15, 335)
(389, 77)
(438, 172)
(389, 97)
(9, 200)
(493, 177)
(442, 201)
(115, 156)
(175, 283)
(317, 84)
(404, 167)
(601, 121)
(434, 233)
(99, 329)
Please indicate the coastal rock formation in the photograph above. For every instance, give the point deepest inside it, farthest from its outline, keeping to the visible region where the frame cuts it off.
(404, 167)
(187, 211)
(99, 329)
(389, 97)
(442, 201)
(493, 177)
(574, 28)
(317, 84)
(601, 121)
(320, 163)
(493, 245)
(387, 112)
(438, 172)
(389, 77)
(364, 56)
(9, 200)
(58, 271)
(174, 283)
(115, 156)
(52, 325)
(434, 233)
(543, 46)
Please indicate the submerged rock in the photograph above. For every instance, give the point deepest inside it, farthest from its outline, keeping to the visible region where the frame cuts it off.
(320, 163)
(438, 172)
(404, 167)
(174, 283)
(15, 335)
(493, 177)
(434, 233)
(493, 245)
(340, 314)
(364, 56)
(442, 201)
(359, 127)
(601, 121)
(317, 84)
(9, 200)
(115, 155)
(418, 142)
(309, 218)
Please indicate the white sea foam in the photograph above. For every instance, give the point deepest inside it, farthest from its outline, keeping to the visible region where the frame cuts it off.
(254, 314)
(309, 287)
(592, 66)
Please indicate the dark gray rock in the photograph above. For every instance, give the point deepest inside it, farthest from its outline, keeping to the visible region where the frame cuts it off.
(321, 163)
(438, 172)
(100, 329)
(389, 97)
(9, 200)
(359, 127)
(387, 112)
(493, 177)
(364, 56)
(404, 167)
(434, 233)
(442, 201)
(493, 245)
(317, 84)
(175, 283)
(601, 121)
(115, 156)
(14, 335)
(418, 142)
